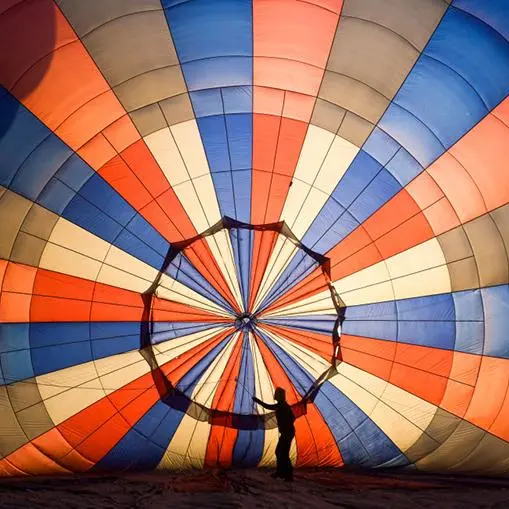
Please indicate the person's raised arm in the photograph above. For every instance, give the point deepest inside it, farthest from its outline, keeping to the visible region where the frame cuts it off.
(268, 406)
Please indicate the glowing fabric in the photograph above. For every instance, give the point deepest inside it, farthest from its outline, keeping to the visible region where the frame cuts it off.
(203, 200)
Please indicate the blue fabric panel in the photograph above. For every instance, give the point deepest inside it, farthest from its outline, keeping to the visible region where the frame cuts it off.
(188, 382)
(413, 134)
(140, 249)
(248, 448)
(224, 28)
(376, 329)
(183, 271)
(470, 321)
(218, 72)
(75, 172)
(215, 141)
(377, 311)
(380, 146)
(40, 166)
(222, 55)
(137, 449)
(345, 225)
(433, 307)
(207, 102)
(166, 331)
(242, 194)
(240, 140)
(477, 52)
(403, 167)
(496, 316)
(315, 323)
(382, 188)
(14, 336)
(16, 366)
(434, 334)
(238, 100)
(494, 13)
(245, 388)
(56, 196)
(53, 358)
(242, 244)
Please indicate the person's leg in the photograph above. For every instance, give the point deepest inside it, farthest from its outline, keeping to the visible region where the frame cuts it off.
(286, 462)
(279, 459)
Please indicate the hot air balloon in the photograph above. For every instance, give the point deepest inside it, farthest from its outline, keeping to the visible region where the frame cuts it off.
(204, 200)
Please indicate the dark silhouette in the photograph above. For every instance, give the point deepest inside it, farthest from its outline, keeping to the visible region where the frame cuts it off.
(285, 423)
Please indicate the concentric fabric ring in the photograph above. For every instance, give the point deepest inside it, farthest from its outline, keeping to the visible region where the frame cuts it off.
(243, 321)
(365, 140)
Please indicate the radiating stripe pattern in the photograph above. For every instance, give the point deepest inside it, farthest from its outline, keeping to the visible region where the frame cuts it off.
(204, 200)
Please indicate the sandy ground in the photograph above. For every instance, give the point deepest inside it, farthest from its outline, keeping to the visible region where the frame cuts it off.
(252, 489)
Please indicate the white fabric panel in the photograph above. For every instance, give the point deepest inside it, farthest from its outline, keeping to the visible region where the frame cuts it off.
(188, 445)
(323, 161)
(222, 251)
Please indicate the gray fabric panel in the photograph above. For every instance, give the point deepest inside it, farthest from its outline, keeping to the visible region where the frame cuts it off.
(414, 20)
(30, 410)
(489, 250)
(13, 209)
(10, 430)
(353, 95)
(27, 249)
(148, 119)
(355, 129)
(501, 218)
(328, 116)
(460, 259)
(131, 45)
(150, 87)
(372, 55)
(86, 15)
(438, 431)
(39, 221)
(177, 109)
(469, 449)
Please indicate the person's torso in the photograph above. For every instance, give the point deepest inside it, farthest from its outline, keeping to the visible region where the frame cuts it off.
(285, 419)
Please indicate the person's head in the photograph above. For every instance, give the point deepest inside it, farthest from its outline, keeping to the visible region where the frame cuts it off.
(279, 394)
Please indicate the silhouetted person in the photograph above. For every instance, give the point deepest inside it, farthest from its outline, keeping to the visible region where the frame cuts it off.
(285, 423)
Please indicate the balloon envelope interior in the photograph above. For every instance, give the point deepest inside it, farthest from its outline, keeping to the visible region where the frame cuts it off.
(202, 201)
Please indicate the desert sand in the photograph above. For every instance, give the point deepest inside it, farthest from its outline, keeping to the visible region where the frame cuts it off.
(250, 489)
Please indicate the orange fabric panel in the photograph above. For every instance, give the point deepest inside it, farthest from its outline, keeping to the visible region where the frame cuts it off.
(457, 397)
(490, 392)
(263, 246)
(89, 119)
(315, 443)
(97, 151)
(121, 133)
(118, 174)
(290, 140)
(56, 284)
(221, 439)
(14, 307)
(7, 469)
(53, 445)
(54, 309)
(101, 312)
(201, 257)
(298, 106)
(298, 47)
(19, 278)
(321, 344)
(267, 100)
(31, 461)
(167, 310)
(484, 153)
